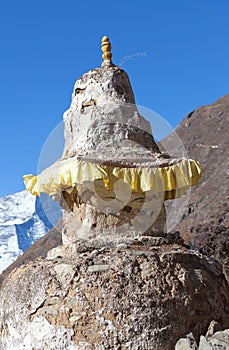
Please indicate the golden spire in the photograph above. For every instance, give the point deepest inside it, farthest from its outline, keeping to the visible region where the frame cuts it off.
(106, 48)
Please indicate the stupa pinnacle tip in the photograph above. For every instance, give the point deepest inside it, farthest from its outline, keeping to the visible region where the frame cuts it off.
(106, 49)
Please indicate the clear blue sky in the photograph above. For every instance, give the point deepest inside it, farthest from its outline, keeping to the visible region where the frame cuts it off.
(46, 45)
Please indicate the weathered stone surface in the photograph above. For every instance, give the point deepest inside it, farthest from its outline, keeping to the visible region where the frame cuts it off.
(220, 340)
(204, 345)
(213, 328)
(102, 107)
(110, 298)
(83, 221)
(188, 343)
(216, 341)
(103, 124)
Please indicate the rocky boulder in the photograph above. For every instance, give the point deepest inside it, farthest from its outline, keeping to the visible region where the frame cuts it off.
(137, 295)
(217, 341)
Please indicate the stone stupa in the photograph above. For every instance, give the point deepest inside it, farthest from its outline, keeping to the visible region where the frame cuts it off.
(118, 282)
(112, 180)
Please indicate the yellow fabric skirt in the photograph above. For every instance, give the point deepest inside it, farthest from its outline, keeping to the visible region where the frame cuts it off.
(173, 180)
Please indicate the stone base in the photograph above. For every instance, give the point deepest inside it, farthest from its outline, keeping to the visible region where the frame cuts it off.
(133, 297)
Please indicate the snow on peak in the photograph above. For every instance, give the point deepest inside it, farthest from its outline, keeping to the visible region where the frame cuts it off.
(24, 219)
(16, 208)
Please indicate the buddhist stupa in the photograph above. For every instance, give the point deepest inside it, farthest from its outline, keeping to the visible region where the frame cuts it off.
(112, 179)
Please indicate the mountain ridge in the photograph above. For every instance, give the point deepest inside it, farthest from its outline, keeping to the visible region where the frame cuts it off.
(205, 221)
(204, 133)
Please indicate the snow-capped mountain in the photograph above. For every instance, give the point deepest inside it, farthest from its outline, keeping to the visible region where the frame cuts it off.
(23, 220)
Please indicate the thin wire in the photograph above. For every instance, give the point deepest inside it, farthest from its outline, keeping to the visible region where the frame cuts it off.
(132, 57)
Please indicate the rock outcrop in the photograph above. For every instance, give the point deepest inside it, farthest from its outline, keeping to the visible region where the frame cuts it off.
(217, 341)
(130, 296)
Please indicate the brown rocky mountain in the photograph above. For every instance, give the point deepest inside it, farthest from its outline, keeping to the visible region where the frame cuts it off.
(205, 135)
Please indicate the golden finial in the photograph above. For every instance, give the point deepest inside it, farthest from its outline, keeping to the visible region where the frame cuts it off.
(106, 48)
